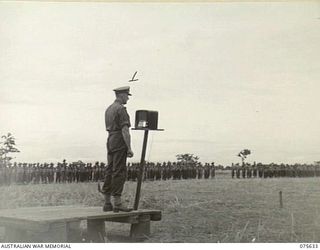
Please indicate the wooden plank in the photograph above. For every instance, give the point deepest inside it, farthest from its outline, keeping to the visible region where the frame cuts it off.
(61, 223)
(56, 212)
(24, 224)
(129, 219)
(66, 213)
(40, 220)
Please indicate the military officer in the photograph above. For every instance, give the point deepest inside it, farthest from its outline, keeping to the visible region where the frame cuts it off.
(117, 123)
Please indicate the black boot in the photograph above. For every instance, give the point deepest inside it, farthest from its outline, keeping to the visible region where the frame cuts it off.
(118, 206)
(107, 207)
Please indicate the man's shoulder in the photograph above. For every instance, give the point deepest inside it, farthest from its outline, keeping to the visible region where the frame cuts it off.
(115, 107)
(115, 104)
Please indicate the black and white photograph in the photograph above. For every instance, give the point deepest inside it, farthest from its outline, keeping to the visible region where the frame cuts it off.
(159, 122)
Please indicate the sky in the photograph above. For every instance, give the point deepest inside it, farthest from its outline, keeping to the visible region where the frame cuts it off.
(223, 77)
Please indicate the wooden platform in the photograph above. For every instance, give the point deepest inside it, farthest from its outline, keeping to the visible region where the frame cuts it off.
(61, 223)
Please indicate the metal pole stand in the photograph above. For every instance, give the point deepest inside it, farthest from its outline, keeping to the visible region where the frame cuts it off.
(142, 162)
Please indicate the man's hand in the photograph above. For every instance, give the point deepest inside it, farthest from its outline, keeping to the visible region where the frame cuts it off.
(127, 140)
(129, 153)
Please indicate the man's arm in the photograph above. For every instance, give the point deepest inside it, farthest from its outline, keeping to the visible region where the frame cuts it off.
(127, 139)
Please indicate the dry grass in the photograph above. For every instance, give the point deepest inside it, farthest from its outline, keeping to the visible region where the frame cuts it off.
(219, 210)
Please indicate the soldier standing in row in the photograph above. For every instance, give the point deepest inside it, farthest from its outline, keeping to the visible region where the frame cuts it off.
(212, 170)
(243, 171)
(206, 171)
(254, 172)
(238, 171)
(158, 171)
(200, 172)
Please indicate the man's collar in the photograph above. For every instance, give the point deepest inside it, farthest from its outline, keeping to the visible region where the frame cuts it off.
(118, 101)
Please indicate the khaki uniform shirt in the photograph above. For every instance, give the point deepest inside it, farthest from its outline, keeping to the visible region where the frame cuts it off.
(116, 117)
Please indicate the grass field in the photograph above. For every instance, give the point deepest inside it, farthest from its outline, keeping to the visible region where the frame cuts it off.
(214, 210)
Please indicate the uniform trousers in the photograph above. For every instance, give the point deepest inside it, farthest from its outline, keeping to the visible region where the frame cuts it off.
(116, 172)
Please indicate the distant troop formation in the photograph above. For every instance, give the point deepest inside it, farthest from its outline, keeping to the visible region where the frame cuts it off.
(24, 173)
(172, 170)
(36, 173)
(275, 171)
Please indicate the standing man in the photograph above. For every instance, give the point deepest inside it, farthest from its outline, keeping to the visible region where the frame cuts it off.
(117, 123)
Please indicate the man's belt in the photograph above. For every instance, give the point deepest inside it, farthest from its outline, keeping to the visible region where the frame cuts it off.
(115, 132)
